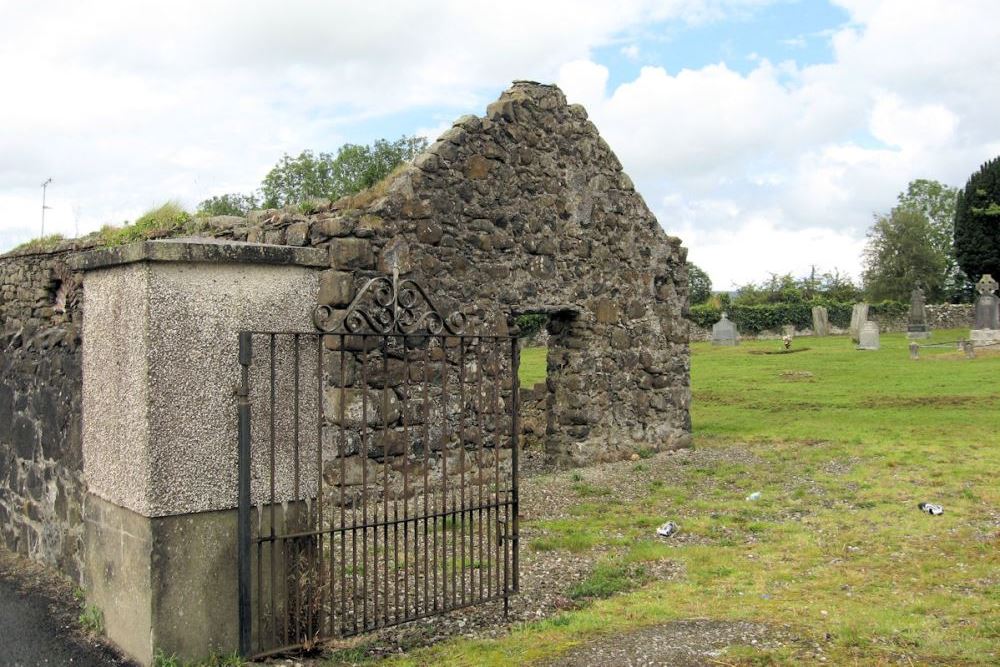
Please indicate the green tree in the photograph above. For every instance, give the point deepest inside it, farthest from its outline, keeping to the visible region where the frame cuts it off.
(900, 254)
(699, 285)
(328, 176)
(817, 288)
(977, 223)
(937, 202)
(232, 203)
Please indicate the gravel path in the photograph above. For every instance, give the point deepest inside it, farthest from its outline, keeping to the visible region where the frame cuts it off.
(690, 643)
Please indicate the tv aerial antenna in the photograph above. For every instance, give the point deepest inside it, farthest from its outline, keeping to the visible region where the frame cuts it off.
(45, 186)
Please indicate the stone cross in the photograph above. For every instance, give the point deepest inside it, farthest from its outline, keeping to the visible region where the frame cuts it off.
(987, 312)
(986, 285)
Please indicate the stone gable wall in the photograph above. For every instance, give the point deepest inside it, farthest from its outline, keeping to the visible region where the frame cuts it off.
(524, 210)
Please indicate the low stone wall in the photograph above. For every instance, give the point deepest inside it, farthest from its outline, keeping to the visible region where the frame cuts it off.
(939, 316)
(41, 479)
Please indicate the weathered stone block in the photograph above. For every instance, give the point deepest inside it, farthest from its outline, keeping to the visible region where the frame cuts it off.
(297, 233)
(620, 339)
(428, 232)
(605, 311)
(351, 253)
(336, 288)
(357, 407)
(24, 437)
(333, 227)
(387, 442)
(477, 167)
(349, 471)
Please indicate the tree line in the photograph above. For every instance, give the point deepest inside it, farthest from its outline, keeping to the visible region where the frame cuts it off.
(938, 237)
(297, 180)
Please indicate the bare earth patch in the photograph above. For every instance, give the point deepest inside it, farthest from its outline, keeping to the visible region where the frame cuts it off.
(689, 643)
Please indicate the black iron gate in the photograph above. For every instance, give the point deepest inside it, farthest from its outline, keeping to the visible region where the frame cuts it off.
(378, 477)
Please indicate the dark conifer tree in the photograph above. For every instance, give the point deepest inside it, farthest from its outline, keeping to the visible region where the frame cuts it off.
(977, 223)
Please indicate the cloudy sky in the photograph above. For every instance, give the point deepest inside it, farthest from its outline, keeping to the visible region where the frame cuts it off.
(764, 133)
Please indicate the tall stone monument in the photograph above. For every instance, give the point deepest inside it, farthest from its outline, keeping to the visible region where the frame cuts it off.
(724, 332)
(987, 331)
(859, 315)
(821, 321)
(917, 325)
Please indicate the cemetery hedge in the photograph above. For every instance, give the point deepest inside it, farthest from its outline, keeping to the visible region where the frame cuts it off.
(771, 317)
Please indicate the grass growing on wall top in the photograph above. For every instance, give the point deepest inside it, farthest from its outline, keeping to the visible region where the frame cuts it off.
(842, 445)
(40, 244)
(168, 219)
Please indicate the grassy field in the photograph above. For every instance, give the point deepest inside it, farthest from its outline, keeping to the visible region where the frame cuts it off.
(532, 368)
(841, 445)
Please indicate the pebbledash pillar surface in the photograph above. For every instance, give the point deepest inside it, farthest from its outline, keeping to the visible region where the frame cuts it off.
(160, 432)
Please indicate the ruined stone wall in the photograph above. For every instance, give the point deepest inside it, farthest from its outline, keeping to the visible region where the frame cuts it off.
(41, 486)
(527, 210)
(523, 210)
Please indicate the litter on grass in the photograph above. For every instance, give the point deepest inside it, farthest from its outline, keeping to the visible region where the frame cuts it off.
(754, 496)
(931, 508)
(667, 529)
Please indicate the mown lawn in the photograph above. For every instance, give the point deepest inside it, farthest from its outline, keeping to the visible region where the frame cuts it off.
(841, 445)
(533, 366)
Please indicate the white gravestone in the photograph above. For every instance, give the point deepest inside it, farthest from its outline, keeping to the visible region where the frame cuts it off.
(724, 332)
(821, 321)
(868, 336)
(859, 315)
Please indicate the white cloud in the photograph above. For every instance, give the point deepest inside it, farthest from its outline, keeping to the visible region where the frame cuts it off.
(126, 104)
(781, 166)
(784, 165)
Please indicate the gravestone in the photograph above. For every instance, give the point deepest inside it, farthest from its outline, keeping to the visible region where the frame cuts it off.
(987, 329)
(868, 337)
(724, 332)
(821, 321)
(859, 315)
(917, 325)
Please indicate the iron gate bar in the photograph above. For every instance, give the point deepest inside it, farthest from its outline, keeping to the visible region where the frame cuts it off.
(243, 513)
(307, 586)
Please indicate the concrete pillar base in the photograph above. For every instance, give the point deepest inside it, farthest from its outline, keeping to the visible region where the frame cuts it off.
(164, 583)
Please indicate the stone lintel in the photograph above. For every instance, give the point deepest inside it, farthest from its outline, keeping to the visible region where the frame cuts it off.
(195, 249)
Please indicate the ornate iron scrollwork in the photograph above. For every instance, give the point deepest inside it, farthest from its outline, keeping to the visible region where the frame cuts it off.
(390, 306)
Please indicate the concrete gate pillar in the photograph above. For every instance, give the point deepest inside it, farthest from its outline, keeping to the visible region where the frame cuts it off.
(159, 429)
